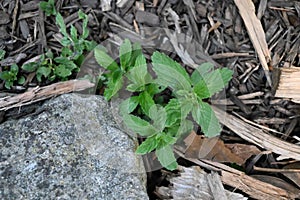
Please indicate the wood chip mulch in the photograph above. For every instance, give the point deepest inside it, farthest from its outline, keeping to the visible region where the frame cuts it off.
(258, 40)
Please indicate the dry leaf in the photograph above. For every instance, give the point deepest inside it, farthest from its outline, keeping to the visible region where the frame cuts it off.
(215, 149)
(244, 151)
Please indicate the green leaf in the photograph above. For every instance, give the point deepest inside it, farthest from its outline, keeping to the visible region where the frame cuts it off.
(201, 71)
(125, 54)
(89, 45)
(154, 88)
(48, 7)
(5, 76)
(202, 90)
(60, 22)
(85, 31)
(173, 109)
(10, 76)
(147, 146)
(74, 33)
(61, 60)
(65, 42)
(166, 157)
(62, 71)
(30, 67)
(2, 53)
(138, 75)
(21, 80)
(136, 52)
(213, 82)
(186, 107)
(206, 118)
(49, 54)
(146, 102)
(170, 73)
(159, 116)
(129, 105)
(8, 84)
(164, 139)
(139, 125)
(104, 60)
(115, 83)
(65, 52)
(42, 71)
(14, 69)
(186, 126)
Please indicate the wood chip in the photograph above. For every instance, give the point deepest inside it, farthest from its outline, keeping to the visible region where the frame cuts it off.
(12, 60)
(4, 18)
(256, 33)
(42, 93)
(194, 183)
(257, 136)
(254, 188)
(106, 5)
(147, 18)
(287, 79)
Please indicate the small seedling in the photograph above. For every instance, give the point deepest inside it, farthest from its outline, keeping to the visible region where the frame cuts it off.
(10, 76)
(66, 63)
(48, 7)
(2, 54)
(162, 122)
(71, 56)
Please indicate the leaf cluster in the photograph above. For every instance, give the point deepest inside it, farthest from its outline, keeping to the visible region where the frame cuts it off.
(161, 122)
(60, 67)
(48, 7)
(71, 56)
(11, 75)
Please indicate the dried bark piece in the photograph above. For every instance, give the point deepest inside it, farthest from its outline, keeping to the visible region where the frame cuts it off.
(90, 3)
(258, 136)
(12, 60)
(277, 182)
(195, 184)
(287, 81)
(147, 18)
(29, 6)
(3, 33)
(42, 93)
(106, 5)
(4, 18)
(254, 188)
(256, 33)
(295, 177)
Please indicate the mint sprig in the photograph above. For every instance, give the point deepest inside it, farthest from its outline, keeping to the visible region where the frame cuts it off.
(162, 121)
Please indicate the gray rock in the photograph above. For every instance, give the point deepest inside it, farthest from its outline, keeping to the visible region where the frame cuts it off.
(72, 149)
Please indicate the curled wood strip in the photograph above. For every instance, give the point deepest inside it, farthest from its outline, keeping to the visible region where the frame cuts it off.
(257, 136)
(42, 93)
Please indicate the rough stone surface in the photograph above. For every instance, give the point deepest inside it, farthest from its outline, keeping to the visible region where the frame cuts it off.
(71, 149)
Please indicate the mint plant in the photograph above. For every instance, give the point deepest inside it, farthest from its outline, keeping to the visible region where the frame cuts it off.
(48, 7)
(2, 54)
(71, 56)
(51, 67)
(162, 121)
(10, 76)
